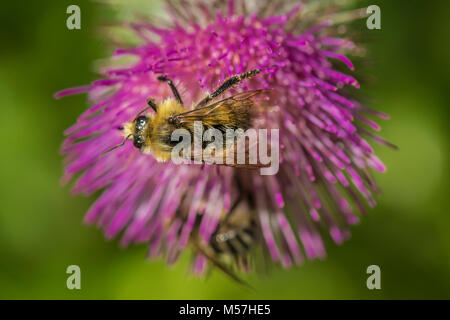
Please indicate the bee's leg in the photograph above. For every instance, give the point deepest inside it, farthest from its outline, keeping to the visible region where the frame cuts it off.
(222, 267)
(151, 103)
(172, 86)
(234, 206)
(227, 84)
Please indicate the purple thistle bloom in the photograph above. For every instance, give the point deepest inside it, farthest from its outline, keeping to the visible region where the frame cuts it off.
(324, 180)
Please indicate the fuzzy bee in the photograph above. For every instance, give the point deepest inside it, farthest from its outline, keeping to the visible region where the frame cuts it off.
(152, 132)
(236, 235)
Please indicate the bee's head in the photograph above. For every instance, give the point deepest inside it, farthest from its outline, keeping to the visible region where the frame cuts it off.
(140, 124)
(135, 130)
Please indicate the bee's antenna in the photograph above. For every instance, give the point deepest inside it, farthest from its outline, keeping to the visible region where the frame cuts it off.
(115, 147)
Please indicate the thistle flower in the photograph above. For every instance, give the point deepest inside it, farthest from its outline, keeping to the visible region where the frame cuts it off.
(324, 180)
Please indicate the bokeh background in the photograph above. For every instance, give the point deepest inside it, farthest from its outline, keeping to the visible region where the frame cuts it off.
(41, 229)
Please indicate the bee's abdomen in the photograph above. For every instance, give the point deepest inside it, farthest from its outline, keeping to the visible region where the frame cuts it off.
(235, 242)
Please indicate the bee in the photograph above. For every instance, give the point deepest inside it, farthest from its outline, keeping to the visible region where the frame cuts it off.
(235, 236)
(152, 132)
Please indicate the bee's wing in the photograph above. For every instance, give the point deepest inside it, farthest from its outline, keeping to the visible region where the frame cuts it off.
(230, 111)
(240, 154)
(233, 113)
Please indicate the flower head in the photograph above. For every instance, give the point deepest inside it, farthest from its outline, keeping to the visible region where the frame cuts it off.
(324, 179)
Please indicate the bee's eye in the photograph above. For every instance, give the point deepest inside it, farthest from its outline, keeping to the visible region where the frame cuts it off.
(141, 121)
(138, 141)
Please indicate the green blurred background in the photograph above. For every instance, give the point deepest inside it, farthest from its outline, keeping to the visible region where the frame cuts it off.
(41, 229)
